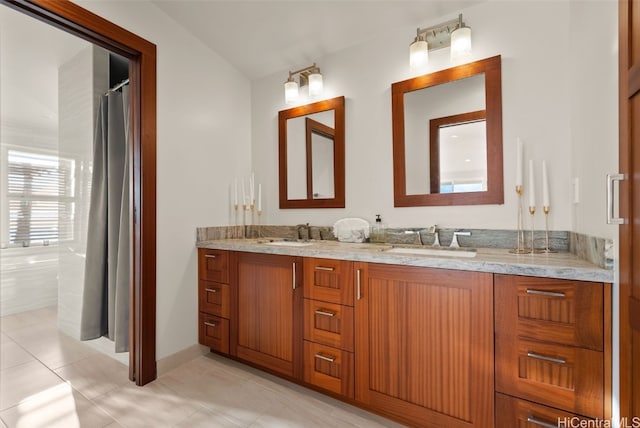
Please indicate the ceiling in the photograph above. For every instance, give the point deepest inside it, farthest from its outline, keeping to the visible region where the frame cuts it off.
(263, 37)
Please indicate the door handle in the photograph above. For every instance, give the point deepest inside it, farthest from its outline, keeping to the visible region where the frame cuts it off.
(611, 180)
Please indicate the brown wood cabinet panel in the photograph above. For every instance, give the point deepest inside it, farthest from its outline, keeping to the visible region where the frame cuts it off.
(213, 332)
(269, 312)
(424, 344)
(554, 310)
(328, 280)
(512, 412)
(213, 265)
(567, 377)
(328, 324)
(329, 368)
(214, 298)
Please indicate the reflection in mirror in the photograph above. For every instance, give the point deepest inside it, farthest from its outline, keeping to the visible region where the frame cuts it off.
(320, 147)
(458, 153)
(422, 108)
(447, 136)
(311, 157)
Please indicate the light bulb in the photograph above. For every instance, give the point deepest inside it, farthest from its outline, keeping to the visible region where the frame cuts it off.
(418, 54)
(290, 91)
(315, 84)
(461, 44)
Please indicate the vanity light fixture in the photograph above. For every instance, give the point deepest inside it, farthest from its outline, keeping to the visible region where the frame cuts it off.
(452, 33)
(308, 76)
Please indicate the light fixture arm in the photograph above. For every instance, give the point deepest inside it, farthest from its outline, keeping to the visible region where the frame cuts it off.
(439, 36)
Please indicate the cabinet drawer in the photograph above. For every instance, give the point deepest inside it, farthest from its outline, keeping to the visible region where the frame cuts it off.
(512, 412)
(213, 265)
(328, 324)
(213, 298)
(329, 368)
(214, 332)
(329, 280)
(561, 376)
(561, 311)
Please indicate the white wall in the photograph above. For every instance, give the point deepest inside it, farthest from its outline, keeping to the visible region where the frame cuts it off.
(594, 111)
(203, 141)
(539, 93)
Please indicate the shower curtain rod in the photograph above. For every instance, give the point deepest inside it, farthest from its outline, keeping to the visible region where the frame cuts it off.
(120, 85)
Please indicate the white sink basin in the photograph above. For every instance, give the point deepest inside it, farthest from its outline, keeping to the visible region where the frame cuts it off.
(432, 252)
(288, 244)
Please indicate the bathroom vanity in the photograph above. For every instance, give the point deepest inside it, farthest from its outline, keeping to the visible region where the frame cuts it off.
(437, 341)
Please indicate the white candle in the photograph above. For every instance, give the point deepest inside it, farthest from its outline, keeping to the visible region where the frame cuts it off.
(251, 189)
(259, 197)
(244, 197)
(532, 187)
(545, 185)
(518, 162)
(235, 191)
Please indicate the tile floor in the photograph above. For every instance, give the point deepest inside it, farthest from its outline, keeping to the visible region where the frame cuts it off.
(49, 380)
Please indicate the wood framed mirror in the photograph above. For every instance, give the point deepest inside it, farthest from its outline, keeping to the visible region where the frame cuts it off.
(447, 137)
(311, 155)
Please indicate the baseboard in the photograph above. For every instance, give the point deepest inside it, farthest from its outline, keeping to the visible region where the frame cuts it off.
(173, 361)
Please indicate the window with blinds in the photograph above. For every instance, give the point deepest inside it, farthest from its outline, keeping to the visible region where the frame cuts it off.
(40, 198)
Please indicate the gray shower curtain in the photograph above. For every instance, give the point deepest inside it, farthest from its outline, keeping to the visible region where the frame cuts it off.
(105, 301)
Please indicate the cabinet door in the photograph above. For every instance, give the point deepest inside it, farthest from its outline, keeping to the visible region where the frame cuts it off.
(424, 344)
(270, 312)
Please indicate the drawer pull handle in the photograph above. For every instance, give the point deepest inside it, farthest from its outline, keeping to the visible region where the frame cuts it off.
(325, 312)
(294, 275)
(545, 358)
(210, 256)
(325, 358)
(358, 291)
(210, 324)
(330, 269)
(536, 421)
(545, 293)
(211, 290)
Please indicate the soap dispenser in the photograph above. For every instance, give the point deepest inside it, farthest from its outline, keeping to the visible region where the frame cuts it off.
(378, 231)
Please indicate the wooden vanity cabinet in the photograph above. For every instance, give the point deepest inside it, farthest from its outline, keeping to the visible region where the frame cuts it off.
(553, 345)
(328, 325)
(269, 311)
(214, 299)
(424, 344)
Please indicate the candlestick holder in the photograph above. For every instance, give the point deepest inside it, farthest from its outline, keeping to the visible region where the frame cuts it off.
(244, 220)
(532, 211)
(259, 223)
(235, 214)
(546, 210)
(253, 207)
(520, 249)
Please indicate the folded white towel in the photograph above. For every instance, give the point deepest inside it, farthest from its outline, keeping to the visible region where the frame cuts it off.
(351, 230)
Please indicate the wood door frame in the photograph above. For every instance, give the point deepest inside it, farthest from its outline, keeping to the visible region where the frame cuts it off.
(629, 84)
(69, 17)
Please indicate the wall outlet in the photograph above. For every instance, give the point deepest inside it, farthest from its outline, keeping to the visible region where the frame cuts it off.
(576, 190)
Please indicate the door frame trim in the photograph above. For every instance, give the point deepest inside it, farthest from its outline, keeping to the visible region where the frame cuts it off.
(80, 22)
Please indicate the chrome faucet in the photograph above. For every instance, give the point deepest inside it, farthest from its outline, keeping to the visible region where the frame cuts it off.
(454, 240)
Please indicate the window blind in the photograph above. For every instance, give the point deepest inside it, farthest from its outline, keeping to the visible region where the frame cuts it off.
(40, 198)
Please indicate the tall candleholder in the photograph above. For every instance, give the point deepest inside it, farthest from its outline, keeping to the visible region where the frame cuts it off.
(520, 249)
(235, 214)
(244, 220)
(259, 223)
(253, 208)
(532, 211)
(546, 210)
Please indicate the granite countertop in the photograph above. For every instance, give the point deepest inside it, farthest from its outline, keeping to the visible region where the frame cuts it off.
(562, 265)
